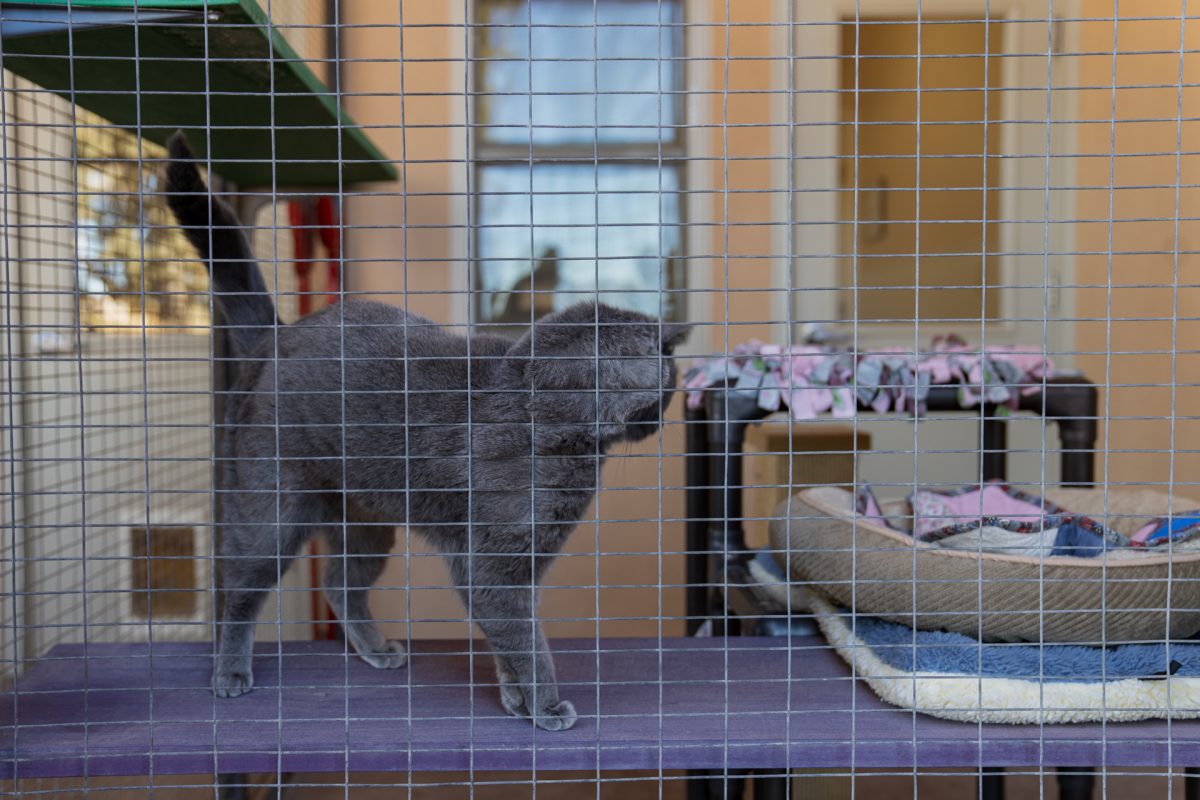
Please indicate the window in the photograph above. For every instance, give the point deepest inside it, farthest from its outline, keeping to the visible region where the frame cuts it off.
(133, 261)
(578, 156)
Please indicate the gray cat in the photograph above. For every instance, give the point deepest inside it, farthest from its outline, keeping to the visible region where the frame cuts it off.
(362, 417)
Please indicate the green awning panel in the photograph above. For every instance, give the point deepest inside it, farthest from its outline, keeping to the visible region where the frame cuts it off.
(215, 69)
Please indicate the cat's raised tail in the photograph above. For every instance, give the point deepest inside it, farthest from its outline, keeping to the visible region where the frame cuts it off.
(215, 231)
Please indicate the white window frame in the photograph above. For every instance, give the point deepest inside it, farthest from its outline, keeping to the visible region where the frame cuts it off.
(664, 155)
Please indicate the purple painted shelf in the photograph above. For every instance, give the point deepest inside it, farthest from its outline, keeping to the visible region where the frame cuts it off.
(741, 702)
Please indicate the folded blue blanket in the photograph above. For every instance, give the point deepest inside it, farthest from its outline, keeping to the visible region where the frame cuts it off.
(905, 649)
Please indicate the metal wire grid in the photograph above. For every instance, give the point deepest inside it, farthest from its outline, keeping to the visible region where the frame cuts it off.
(102, 430)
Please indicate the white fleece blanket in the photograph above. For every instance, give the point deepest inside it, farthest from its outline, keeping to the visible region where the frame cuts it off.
(975, 698)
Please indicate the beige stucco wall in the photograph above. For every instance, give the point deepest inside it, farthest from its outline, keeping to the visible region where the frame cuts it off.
(408, 244)
(1129, 300)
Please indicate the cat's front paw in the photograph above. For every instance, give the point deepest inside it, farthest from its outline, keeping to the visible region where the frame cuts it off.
(513, 700)
(233, 682)
(559, 717)
(391, 656)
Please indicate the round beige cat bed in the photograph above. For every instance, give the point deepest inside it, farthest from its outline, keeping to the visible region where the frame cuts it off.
(1129, 595)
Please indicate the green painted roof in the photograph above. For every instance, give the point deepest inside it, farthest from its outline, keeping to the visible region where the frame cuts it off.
(225, 77)
(128, 5)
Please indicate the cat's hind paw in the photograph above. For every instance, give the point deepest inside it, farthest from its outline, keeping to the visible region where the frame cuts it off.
(392, 656)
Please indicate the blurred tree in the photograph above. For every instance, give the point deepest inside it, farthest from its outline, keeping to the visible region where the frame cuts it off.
(135, 267)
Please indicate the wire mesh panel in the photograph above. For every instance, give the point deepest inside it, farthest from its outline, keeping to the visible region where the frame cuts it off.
(655, 397)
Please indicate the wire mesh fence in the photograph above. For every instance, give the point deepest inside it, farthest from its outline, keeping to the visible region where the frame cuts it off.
(716, 398)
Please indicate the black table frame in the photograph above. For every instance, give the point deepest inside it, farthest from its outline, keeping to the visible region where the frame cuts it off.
(719, 587)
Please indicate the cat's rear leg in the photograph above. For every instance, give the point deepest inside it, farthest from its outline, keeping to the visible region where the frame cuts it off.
(253, 557)
(359, 554)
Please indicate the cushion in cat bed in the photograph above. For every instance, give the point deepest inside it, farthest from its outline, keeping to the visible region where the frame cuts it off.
(1136, 594)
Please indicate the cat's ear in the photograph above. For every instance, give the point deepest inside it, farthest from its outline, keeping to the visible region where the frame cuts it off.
(673, 335)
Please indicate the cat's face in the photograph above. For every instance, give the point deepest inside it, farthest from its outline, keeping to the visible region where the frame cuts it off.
(609, 371)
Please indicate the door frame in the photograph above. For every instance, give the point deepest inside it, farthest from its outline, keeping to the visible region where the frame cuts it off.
(807, 114)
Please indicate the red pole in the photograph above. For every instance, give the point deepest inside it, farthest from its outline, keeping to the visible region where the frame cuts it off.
(329, 228)
(300, 215)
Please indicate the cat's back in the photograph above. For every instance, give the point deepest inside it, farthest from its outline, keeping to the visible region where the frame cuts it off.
(357, 344)
(365, 331)
(366, 362)
(355, 331)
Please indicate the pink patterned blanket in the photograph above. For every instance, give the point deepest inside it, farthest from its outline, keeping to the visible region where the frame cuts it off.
(809, 380)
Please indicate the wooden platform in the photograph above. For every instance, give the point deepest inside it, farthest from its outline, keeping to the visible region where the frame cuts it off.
(699, 703)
